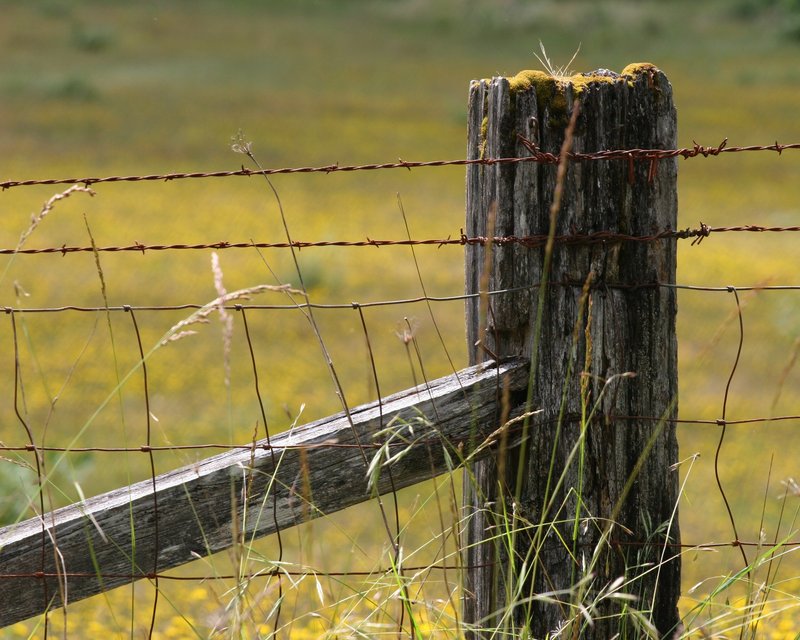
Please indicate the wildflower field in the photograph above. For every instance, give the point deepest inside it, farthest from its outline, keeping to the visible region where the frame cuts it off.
(101, 88)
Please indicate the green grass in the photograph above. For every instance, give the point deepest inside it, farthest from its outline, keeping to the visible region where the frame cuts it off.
(103, 88)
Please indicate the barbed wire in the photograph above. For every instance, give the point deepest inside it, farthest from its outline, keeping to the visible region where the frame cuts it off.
(698, 234)
(538, 156)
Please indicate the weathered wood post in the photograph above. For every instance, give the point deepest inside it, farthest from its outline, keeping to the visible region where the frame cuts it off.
(590, 496)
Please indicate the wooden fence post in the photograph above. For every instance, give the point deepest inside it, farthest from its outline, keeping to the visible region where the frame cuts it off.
(590, 495)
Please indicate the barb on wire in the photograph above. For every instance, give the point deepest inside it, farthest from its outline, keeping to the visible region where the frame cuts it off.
(697, 150)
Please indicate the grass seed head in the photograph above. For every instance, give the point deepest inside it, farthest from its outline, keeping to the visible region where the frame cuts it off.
(553, 70)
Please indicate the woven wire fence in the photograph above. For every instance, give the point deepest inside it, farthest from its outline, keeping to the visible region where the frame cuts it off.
(269, 361)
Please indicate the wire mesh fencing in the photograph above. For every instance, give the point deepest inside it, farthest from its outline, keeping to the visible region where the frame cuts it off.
(103, 393)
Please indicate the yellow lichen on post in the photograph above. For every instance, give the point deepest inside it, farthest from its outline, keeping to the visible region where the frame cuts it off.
(636, 68)
(530, 78)
(542, 80)
(641, 68)
(484, 130)
(551, 89)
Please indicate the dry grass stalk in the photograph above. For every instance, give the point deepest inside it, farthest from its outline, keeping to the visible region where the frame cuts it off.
(224, 316)
(200, 316)
(47, 207)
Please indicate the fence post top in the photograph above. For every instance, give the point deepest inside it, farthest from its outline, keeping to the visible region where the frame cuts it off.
(528, 78)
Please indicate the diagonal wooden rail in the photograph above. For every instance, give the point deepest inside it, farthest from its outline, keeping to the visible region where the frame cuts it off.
(113, 539)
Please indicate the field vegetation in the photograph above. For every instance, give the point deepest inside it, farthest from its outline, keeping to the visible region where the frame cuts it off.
(96, 88)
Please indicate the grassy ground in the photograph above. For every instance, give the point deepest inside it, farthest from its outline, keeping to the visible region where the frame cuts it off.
(103, 88)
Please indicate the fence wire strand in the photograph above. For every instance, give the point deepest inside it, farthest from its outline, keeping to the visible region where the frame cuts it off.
(537, 156)
(697, 235)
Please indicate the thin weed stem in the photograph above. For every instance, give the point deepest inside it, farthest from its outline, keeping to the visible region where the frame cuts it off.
(483, 285)
(120, 400)
(246, 148)
(452, 368)
(241, 146)
(374, 369)
(555, 207)
(425, 291)
(584, 305)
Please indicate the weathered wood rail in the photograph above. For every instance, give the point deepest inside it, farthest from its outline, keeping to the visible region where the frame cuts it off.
(110, 540)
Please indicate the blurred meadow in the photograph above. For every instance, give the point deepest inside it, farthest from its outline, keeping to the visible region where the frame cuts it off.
(101, 88)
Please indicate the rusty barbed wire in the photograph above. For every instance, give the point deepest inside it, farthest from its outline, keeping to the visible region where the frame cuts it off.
(696, 150)
(697, 234)
(538, 156)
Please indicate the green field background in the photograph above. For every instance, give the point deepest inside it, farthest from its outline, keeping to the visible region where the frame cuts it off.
(97, 88)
